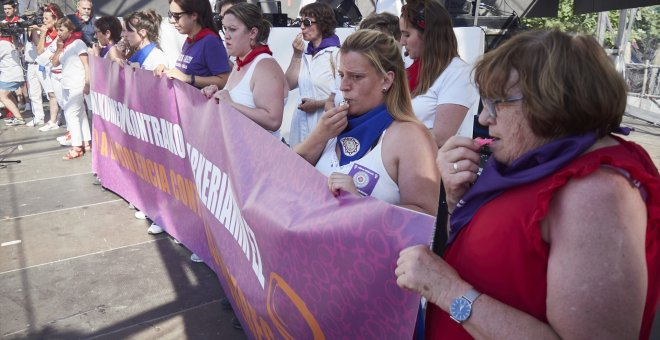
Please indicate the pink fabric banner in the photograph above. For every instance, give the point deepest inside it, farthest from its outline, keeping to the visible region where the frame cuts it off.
(295, 261)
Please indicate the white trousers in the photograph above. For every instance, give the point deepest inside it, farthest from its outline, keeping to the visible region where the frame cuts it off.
(35, 90)
(76, 116)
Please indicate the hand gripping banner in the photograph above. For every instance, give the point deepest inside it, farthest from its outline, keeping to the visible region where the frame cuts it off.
(295, 261)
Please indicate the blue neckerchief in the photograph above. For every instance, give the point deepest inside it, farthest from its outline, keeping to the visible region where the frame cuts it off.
(141, 55)
(361, 133)
(497, 178)
(330, 41)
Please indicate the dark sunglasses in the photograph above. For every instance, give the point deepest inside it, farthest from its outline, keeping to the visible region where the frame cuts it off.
(307, 22)
(176, 15)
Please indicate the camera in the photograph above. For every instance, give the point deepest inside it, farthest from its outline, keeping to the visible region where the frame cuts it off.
(32, 20)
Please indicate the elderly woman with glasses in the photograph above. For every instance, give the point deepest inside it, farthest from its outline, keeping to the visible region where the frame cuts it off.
(313, 68)
(203, 60)
(559, 235)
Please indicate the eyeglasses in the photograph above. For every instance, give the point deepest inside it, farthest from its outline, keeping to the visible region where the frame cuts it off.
(176, 15)
(491, 105)
(307, 22)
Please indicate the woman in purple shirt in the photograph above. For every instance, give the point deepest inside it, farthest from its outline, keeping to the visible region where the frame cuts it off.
(203, 60)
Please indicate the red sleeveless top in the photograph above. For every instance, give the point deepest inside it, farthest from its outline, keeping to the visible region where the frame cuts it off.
(501, 252)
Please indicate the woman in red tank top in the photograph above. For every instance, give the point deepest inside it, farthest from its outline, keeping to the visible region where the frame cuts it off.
(558, 236)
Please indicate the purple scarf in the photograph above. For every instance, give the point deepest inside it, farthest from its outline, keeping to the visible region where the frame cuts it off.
(497, 178)
(362, 132)
(330, 41)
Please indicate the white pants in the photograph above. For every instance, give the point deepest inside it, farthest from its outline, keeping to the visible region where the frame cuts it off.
(76, 117)
(34, 90)
(56, 82)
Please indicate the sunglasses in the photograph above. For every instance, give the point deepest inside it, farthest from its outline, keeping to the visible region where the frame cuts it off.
(307, 22)
(176, 15)
(492, 104)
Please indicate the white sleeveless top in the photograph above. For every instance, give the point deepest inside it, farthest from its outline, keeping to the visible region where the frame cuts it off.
(242, 93)
(365, 171)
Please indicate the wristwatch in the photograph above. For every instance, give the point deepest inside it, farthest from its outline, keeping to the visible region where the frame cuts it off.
(461, 308)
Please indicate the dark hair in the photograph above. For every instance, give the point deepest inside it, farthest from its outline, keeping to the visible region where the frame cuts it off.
(9, 2)
(324, 15)
(55, 10)
(384, 22)
(203, 10)
(109, 23)
(66, 22)
(432, 20)
(219, 4)
(568, 83)
(148, 20)
(250, 15)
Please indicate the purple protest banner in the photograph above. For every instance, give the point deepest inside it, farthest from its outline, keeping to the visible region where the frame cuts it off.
(295, 261)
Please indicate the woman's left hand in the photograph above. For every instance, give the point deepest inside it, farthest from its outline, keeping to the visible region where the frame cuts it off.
(223, 96)
(308, 105)
(86, 88)
(420, 270)
(209, 91)
(338, 181)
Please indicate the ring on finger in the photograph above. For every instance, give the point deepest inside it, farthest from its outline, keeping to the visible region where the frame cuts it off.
(455, 165)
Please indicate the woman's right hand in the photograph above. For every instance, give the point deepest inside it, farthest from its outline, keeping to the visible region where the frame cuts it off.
(458, 163)
(298, 44)
(158, 71)
(209, 91)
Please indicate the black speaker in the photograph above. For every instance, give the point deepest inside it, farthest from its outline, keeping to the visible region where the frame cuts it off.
(347, 12)
(277, 19)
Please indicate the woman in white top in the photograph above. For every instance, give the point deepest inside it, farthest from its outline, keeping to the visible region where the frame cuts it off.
(11, 77)
(313, 70)
(142, 29)
(439, 81)
(372, 145)
(256, 86)
(46, 46)
(71, 53)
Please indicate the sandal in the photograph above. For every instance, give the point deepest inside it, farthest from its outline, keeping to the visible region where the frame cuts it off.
(74, 153)
(88, 148)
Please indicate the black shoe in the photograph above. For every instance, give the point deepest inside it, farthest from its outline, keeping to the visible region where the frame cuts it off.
(226, 305)
(236, 323)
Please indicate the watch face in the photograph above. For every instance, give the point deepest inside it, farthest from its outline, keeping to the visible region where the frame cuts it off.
(460, 309)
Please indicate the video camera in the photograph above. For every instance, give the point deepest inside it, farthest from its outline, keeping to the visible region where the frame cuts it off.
(30, 18)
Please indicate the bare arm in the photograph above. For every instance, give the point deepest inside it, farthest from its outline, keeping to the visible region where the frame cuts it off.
(332, 122)
(596, 270)
(85, 61)
(413, 168)
(293, 70)
(174, 73)
(448, 119)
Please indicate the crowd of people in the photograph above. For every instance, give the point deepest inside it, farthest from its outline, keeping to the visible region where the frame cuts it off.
(556, 235)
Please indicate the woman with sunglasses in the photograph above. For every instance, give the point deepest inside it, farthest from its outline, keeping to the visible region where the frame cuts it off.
(558, 237)
(142, 30)
(107, 30)
(72, 55)
(313, 70)
(49, 75)
(372, 145)
(203, 60)
(439, 79)
(257, 86)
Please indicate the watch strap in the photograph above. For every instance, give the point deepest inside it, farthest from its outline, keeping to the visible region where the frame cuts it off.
(471, 295)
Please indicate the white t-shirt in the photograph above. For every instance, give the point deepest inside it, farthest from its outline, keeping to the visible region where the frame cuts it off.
(44, 58)
(73, 71)
(10, 63)
(156, 57)
(453, 86)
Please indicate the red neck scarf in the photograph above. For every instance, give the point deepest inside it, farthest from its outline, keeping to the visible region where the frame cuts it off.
(74, 36)
(253, 54)
(7, 39)
(201, 34)
(15, 18)
(52, 34)
(413, 74)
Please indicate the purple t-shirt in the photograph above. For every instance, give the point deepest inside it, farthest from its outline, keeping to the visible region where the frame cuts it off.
(205, 57)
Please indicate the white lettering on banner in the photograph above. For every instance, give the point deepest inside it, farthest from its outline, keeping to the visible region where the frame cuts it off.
(214, 191)
(150, 129)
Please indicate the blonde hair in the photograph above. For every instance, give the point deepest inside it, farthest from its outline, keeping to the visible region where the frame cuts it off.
(569, 85)
(384, 54)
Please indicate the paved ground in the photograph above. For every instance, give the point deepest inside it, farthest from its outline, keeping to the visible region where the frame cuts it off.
(85, 267)
(75, 263)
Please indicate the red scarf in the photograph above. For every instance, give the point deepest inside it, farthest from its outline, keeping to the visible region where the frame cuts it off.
(13, 19)
(413, 74)
(52, 33)
(7, 39)
(253, 54)
(74, 36)
(201, 34)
